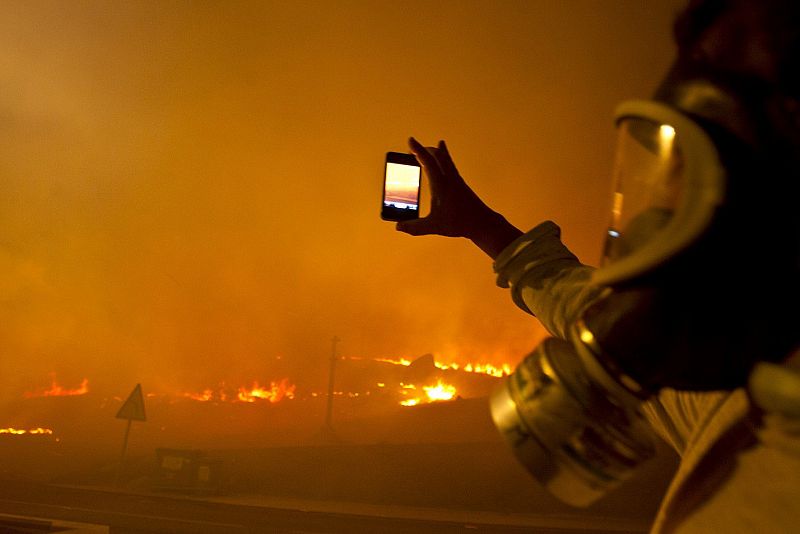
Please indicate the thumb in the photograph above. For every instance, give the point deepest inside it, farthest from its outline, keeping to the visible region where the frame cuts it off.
(416, 227)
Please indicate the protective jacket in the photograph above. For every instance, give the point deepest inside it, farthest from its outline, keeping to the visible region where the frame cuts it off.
(740, 460)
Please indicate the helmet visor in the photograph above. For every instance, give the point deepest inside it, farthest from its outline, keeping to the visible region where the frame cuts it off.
(649, 182)
(668, 183)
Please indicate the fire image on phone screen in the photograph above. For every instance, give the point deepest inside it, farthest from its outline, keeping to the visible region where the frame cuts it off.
(401, 191)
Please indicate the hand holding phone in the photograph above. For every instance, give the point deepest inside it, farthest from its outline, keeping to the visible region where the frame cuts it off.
(456, 211)
(401, 185)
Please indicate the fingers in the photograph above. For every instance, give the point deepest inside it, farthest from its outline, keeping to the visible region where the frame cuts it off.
(434, 158)
(444, 182)
(445, 161)
(425, 156)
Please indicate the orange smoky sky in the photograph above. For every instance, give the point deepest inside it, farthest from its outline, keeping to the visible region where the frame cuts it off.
(190, 191)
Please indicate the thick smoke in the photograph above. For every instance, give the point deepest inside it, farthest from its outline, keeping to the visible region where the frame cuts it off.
(189, 192)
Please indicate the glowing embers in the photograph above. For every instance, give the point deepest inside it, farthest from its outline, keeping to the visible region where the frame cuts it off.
(31, 431)
(57, 390)
(276, 392)
(401, 361)
(207, 395)
(20, 431)
(436, 393)
(481, 368)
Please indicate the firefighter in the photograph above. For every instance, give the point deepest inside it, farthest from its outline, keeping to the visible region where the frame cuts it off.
(691, 322)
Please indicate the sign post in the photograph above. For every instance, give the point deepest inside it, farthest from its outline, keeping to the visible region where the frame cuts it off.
(132, 410)
(329, 411)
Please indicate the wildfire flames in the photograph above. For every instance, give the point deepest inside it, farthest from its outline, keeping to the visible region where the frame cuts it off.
(437, 393)
(276, 392)
(481, 368)
(57, 390)
(58, 411)
(207, 395)
(409, 394)
(405, 393)
(22, 431)
(440, 391)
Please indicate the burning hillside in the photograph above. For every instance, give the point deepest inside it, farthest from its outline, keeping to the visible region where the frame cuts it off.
(276, 392)
(57, 390)
(292, 407)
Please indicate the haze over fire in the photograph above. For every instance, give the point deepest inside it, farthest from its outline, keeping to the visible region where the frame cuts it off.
(190, 191)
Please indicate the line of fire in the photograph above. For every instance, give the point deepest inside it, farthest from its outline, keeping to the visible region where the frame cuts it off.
(405, 431)
(362, 397)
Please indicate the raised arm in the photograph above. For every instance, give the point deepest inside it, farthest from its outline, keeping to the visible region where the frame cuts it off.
(545, 278)
(456, 211)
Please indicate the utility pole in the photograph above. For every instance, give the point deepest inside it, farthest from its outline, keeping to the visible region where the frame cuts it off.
(329, 412)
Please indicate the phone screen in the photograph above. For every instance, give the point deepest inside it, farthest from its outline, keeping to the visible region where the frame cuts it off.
(401, 187)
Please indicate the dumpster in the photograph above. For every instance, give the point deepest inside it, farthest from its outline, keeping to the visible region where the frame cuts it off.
(187, 470)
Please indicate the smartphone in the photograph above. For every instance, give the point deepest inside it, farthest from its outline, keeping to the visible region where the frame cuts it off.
(401, 184)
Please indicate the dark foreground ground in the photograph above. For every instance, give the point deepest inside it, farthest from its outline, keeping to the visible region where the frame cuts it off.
(149, 513)
(205, 468)
(417, 488)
